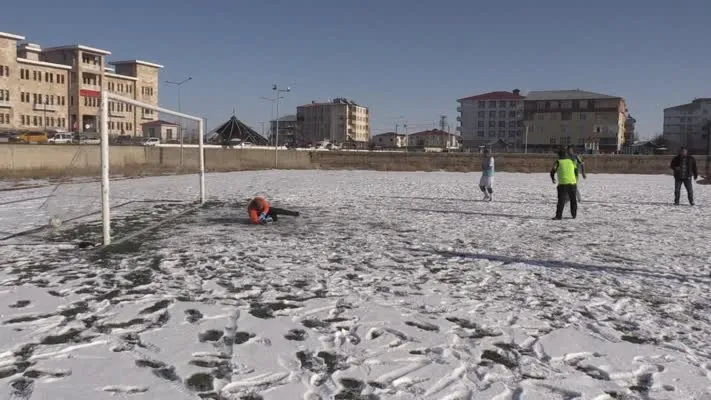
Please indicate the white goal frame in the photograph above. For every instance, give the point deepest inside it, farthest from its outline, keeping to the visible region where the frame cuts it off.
(104, 120)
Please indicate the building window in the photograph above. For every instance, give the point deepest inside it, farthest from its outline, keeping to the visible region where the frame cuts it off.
(169, 133)
(513, 124)
(480, 124)
(492, 114)
(492, 103)
(481, 114)
(541, 105)
(502, 114)
(512, 134)
(502, 104)
(492, 133)
(512, 104)
(583, 104)
(482, 104)
(567, 104)
(554, 104)
(4, 71)
(502, 124)
(492, 124)
(502, 134)
(552, 141)
(512, 114)
(4, 95)
(540, 117)
(583, 116)
(480, 133)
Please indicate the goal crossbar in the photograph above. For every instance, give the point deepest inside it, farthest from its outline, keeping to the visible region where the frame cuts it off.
(104, 119)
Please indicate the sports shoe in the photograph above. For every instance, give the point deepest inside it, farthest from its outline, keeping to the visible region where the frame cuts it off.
(486, 197)
(491, 197)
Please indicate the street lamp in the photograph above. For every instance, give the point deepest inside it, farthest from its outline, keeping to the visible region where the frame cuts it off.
(277, 91)
(271, 116)
(179, 84)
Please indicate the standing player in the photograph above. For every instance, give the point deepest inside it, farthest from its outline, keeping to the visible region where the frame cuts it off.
(581, 168)
(486, 183)
(567, 172)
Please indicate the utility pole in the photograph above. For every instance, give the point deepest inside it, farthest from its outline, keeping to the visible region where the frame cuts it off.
(276, 90)
(180, 127)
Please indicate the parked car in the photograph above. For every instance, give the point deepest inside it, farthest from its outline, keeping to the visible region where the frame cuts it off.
(89, 140)
(61, 138)
(151, 141)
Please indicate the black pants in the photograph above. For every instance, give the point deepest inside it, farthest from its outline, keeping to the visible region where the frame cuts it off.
(567, 192)
(689, 189)
(274, 212)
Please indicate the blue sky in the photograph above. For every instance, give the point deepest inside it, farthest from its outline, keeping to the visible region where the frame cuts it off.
(404, 60)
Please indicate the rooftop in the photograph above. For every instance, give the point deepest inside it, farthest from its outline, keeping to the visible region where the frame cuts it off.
(139, 62)
(159, 122)
(11, 36)
(79, 47)
(575, 94)
(287, 118)
(433, 132)
(500, 95)
(43, 63)
(390, 134)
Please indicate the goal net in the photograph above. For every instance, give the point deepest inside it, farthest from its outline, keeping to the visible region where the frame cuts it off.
(131, 167)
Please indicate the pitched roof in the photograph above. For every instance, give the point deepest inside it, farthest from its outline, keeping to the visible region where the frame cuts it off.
(159, 122)
(433, 132)
(389, 134)
(494, 96)
(236, 129)
(693, 106)
(575, 94)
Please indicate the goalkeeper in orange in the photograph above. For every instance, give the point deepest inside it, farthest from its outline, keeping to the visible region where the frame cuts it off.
(261, 212)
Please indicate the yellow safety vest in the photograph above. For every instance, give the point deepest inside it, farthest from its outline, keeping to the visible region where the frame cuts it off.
(566, 172)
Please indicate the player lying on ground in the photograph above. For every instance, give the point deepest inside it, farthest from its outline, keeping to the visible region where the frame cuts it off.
(260, 212)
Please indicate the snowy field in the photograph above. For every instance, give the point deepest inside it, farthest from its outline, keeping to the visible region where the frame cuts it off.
(390, 286)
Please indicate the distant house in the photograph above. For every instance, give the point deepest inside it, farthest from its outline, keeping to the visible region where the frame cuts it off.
(161, 129)
(389, 140)
(496, 146)
(434, 138)
(646, 147)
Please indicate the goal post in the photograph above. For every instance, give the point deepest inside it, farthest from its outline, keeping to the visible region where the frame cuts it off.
(106, 97)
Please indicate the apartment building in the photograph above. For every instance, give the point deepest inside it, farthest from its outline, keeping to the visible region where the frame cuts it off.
(589, 120)
(287, 130)
(59, 88)
(683, 125)
(433, 139)
(488, 116)
(339, 121)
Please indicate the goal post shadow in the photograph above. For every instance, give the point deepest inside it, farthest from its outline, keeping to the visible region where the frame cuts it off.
(106, 96)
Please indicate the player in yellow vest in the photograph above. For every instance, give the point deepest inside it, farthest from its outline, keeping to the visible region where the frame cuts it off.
(567, 171)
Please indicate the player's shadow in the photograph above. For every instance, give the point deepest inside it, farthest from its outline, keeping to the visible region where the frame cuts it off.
(704, 279)
(467, 200)
(483, 214)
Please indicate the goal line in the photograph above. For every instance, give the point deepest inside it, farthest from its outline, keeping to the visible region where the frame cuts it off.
(106, 96)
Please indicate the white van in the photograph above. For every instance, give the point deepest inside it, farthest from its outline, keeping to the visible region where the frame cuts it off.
(61, 138)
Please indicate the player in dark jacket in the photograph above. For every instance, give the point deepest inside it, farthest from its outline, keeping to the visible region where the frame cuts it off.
(684, 167)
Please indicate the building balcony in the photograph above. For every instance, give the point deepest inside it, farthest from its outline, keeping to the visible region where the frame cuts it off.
(5, 104)
(459, 119)
(459, 109)
(116, 114)
(90, 86)
(91, 67)
(45, 107)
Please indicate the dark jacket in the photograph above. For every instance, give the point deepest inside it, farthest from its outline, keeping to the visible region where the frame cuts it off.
(684, 167)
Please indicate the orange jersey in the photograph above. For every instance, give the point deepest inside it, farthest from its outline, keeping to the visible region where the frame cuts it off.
(256, 207)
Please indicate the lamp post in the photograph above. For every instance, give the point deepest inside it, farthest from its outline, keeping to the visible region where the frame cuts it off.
(277, 91)
(179, 84)
(271, 116)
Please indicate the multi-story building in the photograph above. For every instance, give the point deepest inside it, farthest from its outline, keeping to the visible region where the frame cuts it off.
(683, 125)
(59, 88)
(492, 115)
(287, 130)
(563, 117)
(340, 121)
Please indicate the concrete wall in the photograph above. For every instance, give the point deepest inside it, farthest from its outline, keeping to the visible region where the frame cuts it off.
(67, 160)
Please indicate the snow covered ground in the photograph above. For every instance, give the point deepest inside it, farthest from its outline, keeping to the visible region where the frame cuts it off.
(390, 286)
